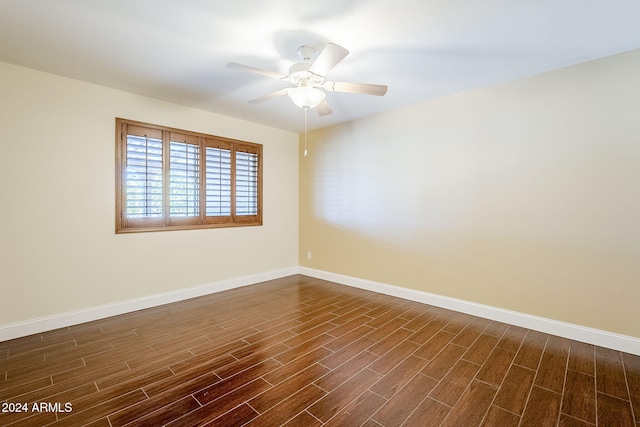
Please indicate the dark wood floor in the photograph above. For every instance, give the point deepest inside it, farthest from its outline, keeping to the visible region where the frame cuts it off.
(300, 351)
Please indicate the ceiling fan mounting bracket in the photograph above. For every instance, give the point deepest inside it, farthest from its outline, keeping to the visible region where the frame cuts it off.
(306, 52)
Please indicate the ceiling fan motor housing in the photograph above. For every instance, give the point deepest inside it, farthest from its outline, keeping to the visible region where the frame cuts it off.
(300, 75)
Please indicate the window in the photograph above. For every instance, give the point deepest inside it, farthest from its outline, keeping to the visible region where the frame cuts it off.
(170, 179)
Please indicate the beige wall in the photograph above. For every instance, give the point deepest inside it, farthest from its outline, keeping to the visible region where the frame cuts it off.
(58, 250)
(523, 195)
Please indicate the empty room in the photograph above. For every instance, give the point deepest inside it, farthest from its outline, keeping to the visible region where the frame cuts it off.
(341, 213)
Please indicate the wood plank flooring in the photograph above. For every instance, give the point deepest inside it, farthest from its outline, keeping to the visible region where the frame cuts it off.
(299, 351)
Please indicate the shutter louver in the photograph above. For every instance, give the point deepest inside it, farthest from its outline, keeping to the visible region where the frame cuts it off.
(218, 181)
(184, 179)
(143, 177)
(246, 183)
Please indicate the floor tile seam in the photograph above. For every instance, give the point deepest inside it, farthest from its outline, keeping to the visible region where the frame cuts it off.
(626, 379)
(463, 393)
(523, 367)
(519, 345)
(365, 314)
(235, 359)
(336, 338)
(480, 365)
(20, 385)
(339, 325)
(614, 396)
(132, 379)
(392, 348)
(426, 396)
(312, 318)
(547, 389)
(601, 356)
(272, 358)
(93, 354)
(211, 422)
(617, 398)
(337, 367)
(503, 332)
(486, 357)
(36, 352)
(306, 408)
(299, 323)
(104, 402)
(487, 383)
(317, 361)
(346, 404)
(43, 367)
(381, 396)
(170, 392)
(537, 371)
(262, 345)
(302, 343)
(310, 414)
(51, 383)
(26, 418)
(311, 329)
(202, 404)
(223, 340)
(504, 409)
(342, 403)
(578, 418)
(448, 370)
(191, 411)
(378, 327)
(340, 322)
(172, 389)
(500, 387)
(388, 352)
(136, 422)
(262, 377)
(52, 397)
(264, 320)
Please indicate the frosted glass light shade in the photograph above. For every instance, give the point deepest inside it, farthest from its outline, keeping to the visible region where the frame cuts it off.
(306, 97)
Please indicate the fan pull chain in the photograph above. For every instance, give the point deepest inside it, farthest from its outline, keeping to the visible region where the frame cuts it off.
(305, 131)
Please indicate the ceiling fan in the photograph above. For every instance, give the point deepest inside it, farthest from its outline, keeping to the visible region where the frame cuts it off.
(308, 79)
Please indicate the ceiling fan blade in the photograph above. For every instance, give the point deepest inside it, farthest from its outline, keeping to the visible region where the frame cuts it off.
(361, 88)
(330, 56)
(323, 108)
(269, 96)
(255, 70)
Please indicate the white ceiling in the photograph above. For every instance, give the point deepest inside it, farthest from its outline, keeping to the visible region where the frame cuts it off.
(176, 50)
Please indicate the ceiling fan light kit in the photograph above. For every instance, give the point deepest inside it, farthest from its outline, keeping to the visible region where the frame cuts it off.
(306, 97)
(308, 79)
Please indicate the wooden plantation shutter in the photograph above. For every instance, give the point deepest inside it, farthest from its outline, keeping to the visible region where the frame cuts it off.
(143, 177)
(184, 179)
(170, 179)
(218, 181)
(247, 183)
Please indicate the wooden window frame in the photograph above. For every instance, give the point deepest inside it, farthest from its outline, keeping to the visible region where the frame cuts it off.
(166, 221)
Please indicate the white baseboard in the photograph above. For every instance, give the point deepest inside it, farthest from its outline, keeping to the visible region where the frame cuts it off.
(42, 324)
(567, 330)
